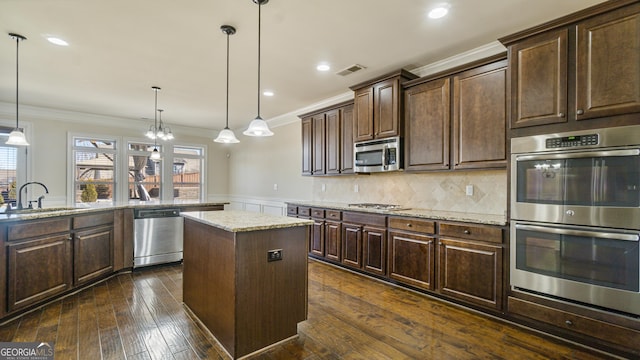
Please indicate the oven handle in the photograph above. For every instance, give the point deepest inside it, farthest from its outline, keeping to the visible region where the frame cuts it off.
(597, 234)
(586, 154)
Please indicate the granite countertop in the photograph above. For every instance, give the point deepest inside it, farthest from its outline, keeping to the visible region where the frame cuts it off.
(487, 219)
(243, 221)
(62, 211)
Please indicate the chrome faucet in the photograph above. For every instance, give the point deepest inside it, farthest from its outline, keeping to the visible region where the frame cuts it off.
(39, 199)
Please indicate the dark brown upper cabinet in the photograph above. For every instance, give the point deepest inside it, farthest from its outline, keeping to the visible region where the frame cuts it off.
(327, 141)
(584, 66)
(377, 111)
(457, 119)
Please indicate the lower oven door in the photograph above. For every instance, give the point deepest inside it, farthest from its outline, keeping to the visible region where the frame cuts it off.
(595, 266)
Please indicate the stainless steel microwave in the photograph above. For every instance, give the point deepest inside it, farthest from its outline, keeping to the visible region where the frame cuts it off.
(378, 155)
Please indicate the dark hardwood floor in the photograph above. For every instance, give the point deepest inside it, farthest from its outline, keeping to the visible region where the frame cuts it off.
(140, 315)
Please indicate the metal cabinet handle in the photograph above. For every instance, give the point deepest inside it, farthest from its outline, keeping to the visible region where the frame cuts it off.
(560, 114)
(580, 112)
(409, 225)
(467, 232)
(569, 322)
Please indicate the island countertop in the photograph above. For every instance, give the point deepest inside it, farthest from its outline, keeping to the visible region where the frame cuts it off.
(242, 221)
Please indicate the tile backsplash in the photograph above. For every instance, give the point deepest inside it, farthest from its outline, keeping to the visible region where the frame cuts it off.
(446, 191)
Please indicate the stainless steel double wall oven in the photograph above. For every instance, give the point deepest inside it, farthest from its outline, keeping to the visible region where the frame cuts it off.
(575, 216)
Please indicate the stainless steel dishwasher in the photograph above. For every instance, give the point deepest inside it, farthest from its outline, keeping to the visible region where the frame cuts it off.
(157, 236)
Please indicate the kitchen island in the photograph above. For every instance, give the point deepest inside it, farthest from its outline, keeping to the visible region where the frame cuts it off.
(245, 276)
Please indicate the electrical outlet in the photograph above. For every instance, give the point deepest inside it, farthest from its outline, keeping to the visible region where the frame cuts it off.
(469, 190)
(274, 255)
(356, 188)
(324, 187)
(275, 187)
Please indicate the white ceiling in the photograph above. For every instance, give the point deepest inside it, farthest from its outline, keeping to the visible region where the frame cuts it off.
(120, 48)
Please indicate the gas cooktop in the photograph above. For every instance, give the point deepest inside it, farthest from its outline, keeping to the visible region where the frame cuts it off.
(387, 207)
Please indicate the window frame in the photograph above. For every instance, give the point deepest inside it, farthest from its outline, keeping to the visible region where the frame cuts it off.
(71, 171)
(24, 165)
(203, 162)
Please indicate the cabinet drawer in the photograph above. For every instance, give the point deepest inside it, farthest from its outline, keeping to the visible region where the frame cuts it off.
(412, 224)
(473, 232)
(333, 214)
(304, 211)
(569, 321)
(317, 213)
(292, 210)
(103, 218)
(364, 219)
(29, 229)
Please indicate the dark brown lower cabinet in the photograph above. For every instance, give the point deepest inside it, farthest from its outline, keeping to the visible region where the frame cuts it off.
(374, 250)
(38, 269)
(352, 245)
(333, 236)
(92, 254)
(316, 243)
(412, 259)
(471, 271)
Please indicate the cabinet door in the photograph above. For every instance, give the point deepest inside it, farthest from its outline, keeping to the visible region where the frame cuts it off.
(608, 64)
(333, 235)
(412, 259)
(374, 250)
(92, 254)
(538, 70)
(332, 142)
(427, 119)
(316, 246)
(471, 272)
(386, 102)
(307, 145)
(38, 269)
(319, 145)
(363, 114)
(352, 245)
(480, 117)
(346, 138)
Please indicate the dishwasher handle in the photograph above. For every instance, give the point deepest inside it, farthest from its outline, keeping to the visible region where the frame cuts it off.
(155, 213)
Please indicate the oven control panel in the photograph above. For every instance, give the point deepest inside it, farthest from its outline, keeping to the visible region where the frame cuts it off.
(572, 141)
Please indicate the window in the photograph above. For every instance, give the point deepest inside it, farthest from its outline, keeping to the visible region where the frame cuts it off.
(8, 168)
(144, 174)
(188, 165)
(94, 166)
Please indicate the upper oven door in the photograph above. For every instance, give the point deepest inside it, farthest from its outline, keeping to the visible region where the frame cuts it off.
(588, 187)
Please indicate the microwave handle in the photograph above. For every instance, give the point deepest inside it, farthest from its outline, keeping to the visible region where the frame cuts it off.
(596, 234)
(586, 154)
(384, 155)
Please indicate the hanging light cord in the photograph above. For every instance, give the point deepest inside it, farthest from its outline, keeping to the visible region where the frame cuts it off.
(155, 118)
(227, 122)
(17, 74)
(259, 27)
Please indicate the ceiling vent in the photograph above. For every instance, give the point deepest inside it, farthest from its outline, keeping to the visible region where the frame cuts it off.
(350, 70)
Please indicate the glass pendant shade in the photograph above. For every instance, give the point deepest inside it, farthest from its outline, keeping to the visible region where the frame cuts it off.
(155, 155)
(258, 127)
(16, 137)
(226, 136)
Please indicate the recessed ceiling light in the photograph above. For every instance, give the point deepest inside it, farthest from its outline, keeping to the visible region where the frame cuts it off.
(323, 67)
(438, 12)
(268, 93)
(57, 41)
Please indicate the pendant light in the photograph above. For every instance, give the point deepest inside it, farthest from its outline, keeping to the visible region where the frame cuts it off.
(16, 137)
(155, 154)
(258, 127)
(227, 136)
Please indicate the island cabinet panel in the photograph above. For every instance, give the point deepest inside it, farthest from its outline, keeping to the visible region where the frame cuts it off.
(245, 300)
(209, 280)
(427, 124)
(38, 269)
(539, 80)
